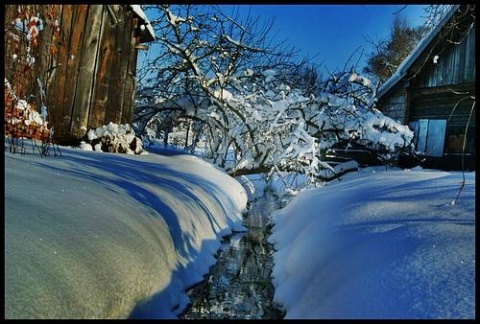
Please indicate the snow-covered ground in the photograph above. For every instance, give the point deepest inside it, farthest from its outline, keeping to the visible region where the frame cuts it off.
(91, 234)
(378, 244)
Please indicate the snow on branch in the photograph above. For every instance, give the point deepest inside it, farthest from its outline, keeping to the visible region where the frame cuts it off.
(244, 46)
(255, 112)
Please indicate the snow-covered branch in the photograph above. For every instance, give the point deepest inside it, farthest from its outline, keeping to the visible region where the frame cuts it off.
(247, 114)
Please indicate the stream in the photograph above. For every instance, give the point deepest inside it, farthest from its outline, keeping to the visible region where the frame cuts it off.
(239, 285)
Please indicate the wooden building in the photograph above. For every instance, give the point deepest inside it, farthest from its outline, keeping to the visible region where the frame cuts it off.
(433, 91)
(80, 62)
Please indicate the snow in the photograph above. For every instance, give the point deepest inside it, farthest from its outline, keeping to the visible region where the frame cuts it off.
(114, 137)
(385, 244)
(223, 94)
(140, 13)
(91, 234)
(354, 77)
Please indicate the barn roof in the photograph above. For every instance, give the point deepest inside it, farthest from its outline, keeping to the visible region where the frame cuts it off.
(417, 51)
(137, 9)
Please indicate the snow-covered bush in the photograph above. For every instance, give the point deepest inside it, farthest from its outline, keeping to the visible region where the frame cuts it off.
(246, 110)
(291, 130)
(349, 100)
(112, 138)
(270, 125)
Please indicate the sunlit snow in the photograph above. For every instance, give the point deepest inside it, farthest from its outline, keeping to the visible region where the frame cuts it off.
(94, 235)
(384, 244)
(90, 235)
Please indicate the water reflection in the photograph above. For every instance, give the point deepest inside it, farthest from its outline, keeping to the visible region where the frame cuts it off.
(239, 284)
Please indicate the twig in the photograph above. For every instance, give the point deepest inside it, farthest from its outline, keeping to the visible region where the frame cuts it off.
(462, 185)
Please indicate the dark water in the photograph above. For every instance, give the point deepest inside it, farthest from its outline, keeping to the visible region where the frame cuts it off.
(239, 285)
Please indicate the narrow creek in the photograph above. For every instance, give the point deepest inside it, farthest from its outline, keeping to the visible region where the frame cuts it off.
(239, 285)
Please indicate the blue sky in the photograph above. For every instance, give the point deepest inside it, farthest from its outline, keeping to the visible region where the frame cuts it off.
(332, 33)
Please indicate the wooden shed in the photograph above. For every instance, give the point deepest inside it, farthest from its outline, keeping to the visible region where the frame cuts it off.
(81, 62)
(433, 91)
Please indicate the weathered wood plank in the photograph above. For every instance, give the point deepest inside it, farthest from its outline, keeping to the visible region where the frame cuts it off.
(456, 64)
(470, 87)
(130, 81)
(455, 108)
(91, 66)
(120, 61)
(88, 58)
(470, 56)
(75, 41)
(55, 101)
(103, 73)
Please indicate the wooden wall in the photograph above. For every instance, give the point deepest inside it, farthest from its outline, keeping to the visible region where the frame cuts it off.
(442, 93)
(87, 65)
(445, 90)
(455, 65)
(451, 102)
(395, 104)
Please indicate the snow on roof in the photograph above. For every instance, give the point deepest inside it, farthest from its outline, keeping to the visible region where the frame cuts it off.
(418, 50)
(139, 12)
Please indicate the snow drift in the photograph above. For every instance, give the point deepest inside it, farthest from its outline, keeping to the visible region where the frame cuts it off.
(383, 245)
(99, 235)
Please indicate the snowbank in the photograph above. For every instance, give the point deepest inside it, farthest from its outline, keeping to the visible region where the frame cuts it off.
(378, 245)
(91, 235)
